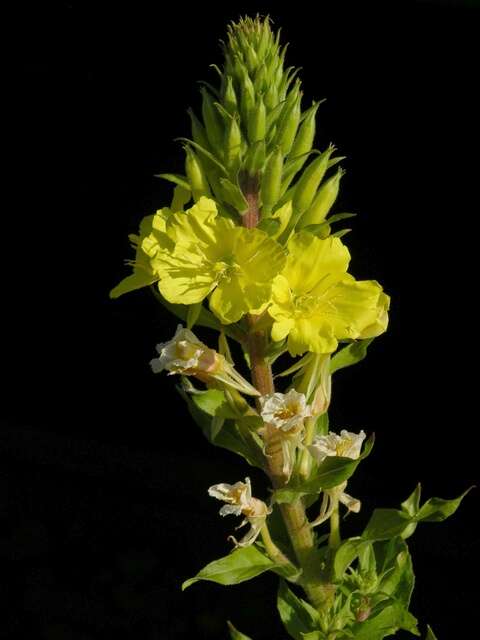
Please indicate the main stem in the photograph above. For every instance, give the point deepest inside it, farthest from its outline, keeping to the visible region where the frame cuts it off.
(296, 522)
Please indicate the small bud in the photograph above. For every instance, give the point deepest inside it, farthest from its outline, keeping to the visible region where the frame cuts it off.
(196, 175)
(288, 129)
(255, 158)
(230, 97)
(213, 122)
(272, 181)
(257, 122)
(271, 97)
(323, 201)
(308, 183)
(233, 145)
(251, 59)
(260, 82)
(247, 98)
(304, 141)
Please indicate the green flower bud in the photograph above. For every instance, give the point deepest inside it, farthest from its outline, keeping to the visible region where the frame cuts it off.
(266, 39)
(233, 145)
(260, 81)
(229, 96)
(196, 175)
(213, 121)
(323, 201)
(304, 141)
(257, 122)
(255, 158)
(272, 181)
(271, 97)
(287, 130)
(251, 60)
(308, 184)
(247, 100)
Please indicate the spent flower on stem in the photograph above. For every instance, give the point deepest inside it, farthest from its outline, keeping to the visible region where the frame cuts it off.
(239, 502)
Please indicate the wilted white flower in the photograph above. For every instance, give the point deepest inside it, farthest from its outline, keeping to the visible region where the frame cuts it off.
(239, 501)
(185, 354)
(345, 445)
(285, 411)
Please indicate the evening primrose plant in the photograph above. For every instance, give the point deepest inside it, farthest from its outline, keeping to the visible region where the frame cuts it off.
(250, 247)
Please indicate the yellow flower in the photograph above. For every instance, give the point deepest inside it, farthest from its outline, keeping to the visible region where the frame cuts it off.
(316, 302)
(211, 256)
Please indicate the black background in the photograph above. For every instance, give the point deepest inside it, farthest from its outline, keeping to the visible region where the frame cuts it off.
(103, 492)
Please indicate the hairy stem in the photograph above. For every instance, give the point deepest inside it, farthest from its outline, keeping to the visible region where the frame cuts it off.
(319, 591)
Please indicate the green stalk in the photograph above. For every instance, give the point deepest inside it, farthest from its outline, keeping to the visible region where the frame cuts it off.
(334, 539)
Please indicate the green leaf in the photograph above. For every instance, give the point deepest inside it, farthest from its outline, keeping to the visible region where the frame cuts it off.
(345, 554)
(388, 523)
(330, 473)
(399, 581)
(235, 633)
(351, 354)
(430, 635)
(387, 618)
(213, 415)
(297, 615)
(437, 509)
(240, 565)
(209, 401)
(385, 524)
(235, 437)
(412, 504)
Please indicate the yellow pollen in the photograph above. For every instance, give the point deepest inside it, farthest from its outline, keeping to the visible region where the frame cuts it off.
(343, 447)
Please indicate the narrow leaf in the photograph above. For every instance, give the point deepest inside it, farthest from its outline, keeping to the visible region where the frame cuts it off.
(437, 509)
(181, 181)
(351, 354)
